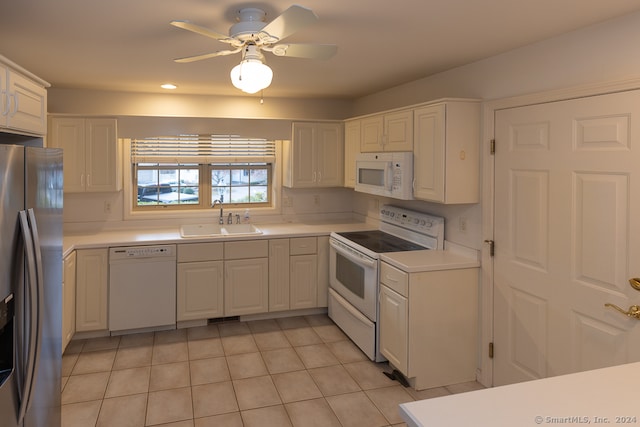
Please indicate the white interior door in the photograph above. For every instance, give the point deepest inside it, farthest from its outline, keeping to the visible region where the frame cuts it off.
(567, 235)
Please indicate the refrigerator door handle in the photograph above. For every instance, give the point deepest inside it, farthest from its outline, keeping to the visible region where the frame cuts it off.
(33, 311)
(37, 250)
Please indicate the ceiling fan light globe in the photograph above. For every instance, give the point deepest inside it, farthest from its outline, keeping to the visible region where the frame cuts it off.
(251, 76)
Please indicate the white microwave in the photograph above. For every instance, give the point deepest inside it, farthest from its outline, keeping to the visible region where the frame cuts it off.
(385, 174)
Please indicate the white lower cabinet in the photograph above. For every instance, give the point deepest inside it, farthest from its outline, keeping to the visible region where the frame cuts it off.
(323, 271)
(303, 267)
(428, 324)
(92, 269)
(68, 299)
(246, 277)
(304, 281)
(394, 321)
(200, 282)
(279, 274)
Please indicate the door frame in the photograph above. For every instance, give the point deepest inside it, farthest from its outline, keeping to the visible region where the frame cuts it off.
(489, 108)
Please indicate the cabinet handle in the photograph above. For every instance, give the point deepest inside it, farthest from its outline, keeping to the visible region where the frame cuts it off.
(319, 176)
(81, 180)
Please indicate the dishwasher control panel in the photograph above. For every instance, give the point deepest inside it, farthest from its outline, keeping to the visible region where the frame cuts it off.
(129, 252)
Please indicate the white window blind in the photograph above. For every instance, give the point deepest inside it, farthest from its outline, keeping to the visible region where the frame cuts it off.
(202, 149)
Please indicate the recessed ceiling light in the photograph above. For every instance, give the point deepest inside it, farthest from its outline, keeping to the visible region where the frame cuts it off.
(168, 86)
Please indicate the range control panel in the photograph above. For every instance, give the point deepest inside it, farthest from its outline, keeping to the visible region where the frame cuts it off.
(419, 222)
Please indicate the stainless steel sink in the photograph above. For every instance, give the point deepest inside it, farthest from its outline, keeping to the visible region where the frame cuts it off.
(214, 230)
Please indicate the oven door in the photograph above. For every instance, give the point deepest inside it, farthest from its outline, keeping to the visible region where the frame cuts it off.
(354, 276)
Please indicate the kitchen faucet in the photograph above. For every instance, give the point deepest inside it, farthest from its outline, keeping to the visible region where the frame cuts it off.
(220, 219)
(230, 218)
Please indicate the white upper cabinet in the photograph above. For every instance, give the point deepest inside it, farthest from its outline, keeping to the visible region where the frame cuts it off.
(391, 131)
(315, 156)
(91, 153)
(23, 100)
(352, 133)
(446, 160)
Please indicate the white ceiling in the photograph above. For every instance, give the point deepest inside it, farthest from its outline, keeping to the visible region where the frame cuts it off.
(128, 45)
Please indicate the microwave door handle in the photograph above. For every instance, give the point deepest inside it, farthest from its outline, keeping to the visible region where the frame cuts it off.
(390, 176)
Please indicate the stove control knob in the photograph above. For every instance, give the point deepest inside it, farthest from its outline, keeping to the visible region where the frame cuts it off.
(423, 222)
(416, 220)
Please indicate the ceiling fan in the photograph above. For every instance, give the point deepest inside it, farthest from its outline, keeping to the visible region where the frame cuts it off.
(251, 35)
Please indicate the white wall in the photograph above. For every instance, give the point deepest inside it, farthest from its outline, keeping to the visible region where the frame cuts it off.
(599, 53)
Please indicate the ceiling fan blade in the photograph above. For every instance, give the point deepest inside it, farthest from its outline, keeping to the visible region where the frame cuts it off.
(311, 51)
(290, 21)
(207, 55)
(186, 25)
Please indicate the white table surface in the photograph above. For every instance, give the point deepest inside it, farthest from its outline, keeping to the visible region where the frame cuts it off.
(608, 396)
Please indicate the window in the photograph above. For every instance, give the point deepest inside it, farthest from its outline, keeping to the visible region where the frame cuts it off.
(192, 171)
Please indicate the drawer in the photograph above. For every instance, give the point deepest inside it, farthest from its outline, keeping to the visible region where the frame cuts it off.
(246, 249)
(303, 245)
(395, 279)
(190, 252)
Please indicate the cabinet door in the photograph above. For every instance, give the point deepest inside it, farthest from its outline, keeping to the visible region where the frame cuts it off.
(102, 156)
(303, 159)
(200, 290)
(398, 131)
(278, 274)
(91, 289)
(304, 281)
(27, 106)
(68, 299)
(429, 153)
(372, 129)
(323, 271)
(68, 133)
(246, 286)
(394, 323)
(351, 149)
(329, 147)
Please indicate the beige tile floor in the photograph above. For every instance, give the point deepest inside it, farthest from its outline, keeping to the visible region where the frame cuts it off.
(296, 371)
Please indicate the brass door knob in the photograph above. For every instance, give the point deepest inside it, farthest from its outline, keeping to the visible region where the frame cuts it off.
(634, 310)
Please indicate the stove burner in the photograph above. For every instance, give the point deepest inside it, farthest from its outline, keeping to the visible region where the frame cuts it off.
(380, 242)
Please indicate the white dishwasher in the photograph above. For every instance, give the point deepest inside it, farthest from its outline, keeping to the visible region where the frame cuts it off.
(142, 287)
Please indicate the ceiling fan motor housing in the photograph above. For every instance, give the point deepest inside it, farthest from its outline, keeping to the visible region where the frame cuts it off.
(250, 23)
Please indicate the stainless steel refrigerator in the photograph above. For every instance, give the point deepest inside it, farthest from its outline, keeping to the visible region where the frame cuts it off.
(30, 283)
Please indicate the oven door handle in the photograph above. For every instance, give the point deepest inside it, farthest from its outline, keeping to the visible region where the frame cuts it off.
(353, 255)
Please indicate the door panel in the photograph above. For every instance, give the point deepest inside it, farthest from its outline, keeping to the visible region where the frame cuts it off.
(566, 190)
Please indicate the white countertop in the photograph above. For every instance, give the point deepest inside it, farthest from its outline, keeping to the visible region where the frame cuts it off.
(609, 393)
(429, 260)
(167, 235)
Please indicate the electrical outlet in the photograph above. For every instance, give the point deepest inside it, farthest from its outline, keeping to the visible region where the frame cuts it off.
(288, 202)
(107, 207)
(462, 224)
(316, 199)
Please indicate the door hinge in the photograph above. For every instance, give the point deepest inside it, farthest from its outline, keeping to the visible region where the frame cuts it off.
(490, 350)
(492, 247)
(492, 147)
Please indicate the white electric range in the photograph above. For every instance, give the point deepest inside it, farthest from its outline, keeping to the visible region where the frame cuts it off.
(355, 264)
